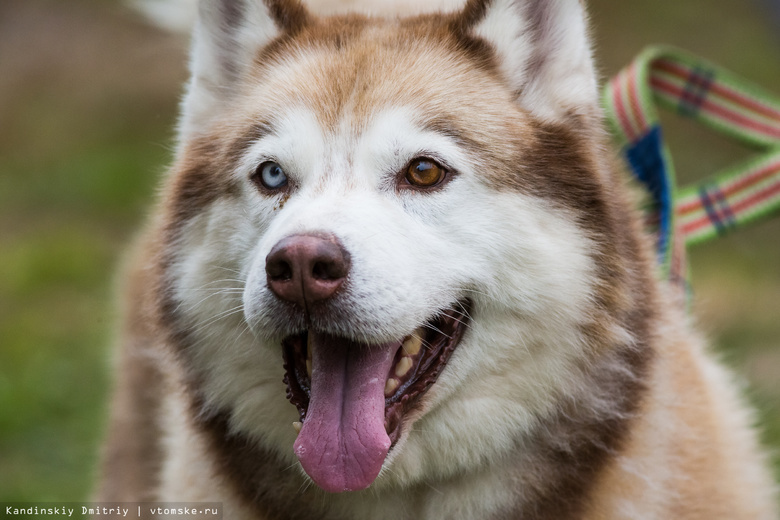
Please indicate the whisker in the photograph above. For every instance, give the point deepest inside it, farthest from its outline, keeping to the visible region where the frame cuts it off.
(307, 483)
(434, 489)
(218, 291)
(291, 466)
(435, 329)
(236, 271)
(482, 293)
(239, 280)
(466, 324)
(217, 317)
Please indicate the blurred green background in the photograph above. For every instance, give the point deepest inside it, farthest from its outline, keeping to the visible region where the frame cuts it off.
(88, 96)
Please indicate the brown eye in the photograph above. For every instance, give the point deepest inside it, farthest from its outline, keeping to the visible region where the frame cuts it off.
(424, 173)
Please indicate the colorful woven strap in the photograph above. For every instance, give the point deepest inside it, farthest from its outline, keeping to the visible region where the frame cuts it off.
(692, 87)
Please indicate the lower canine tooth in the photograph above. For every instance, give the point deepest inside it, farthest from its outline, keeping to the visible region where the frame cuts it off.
(297, 425)
(308, 367)
(390, 386)
(403, 366)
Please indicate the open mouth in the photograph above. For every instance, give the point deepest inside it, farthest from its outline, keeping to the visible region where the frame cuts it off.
(352, 397)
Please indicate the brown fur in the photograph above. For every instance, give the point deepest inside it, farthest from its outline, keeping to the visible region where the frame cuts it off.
(133, 456)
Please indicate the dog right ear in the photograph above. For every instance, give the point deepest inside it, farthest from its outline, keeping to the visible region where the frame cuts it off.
(227, 36)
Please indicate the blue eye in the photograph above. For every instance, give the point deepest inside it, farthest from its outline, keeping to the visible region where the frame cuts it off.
(271, 175)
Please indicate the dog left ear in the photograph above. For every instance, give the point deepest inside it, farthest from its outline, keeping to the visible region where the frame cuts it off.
(543, 52)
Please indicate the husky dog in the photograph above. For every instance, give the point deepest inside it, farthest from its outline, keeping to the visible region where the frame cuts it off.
(395, 274)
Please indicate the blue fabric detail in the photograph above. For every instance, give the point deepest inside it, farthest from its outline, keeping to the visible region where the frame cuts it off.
(647, 163)
(712, 213)
(713, 200)
(725, 207)
(696, 90)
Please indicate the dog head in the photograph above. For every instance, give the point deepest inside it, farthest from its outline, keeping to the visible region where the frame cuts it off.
(408, 220)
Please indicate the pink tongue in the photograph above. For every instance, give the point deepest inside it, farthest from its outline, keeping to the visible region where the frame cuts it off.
(343, 442)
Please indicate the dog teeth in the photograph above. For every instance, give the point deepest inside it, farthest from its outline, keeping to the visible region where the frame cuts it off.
(308, 367)
(297, 426)
(403, 366)
(391, 386)
(412, 345)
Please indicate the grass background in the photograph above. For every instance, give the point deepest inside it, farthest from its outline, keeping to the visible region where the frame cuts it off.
(88, 96)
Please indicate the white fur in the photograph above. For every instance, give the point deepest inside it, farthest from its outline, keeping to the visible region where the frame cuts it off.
(187, 468)
(565, 81)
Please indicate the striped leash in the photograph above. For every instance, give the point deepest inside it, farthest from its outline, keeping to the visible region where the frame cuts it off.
(741, 194)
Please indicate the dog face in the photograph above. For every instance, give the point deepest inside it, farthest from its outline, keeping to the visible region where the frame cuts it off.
(403, 220)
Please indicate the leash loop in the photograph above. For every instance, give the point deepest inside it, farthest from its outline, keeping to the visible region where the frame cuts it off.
(741, 194)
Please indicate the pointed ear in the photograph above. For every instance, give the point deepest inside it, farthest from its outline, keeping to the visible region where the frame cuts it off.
(543, 52)
(227, 36)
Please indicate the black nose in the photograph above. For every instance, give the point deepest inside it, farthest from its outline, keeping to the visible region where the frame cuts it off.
(305, 269)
